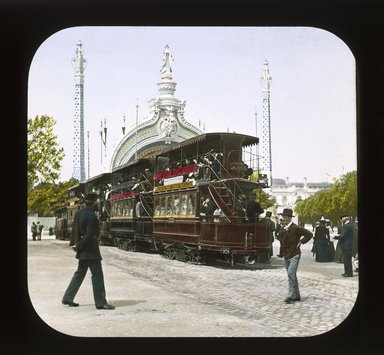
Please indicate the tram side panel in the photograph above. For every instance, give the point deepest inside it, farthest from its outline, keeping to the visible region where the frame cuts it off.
(130, 230)
(235, 239)
(122, 228)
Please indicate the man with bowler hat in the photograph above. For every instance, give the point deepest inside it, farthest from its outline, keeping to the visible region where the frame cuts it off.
(88, 253)
(346, 241)
(291, 237)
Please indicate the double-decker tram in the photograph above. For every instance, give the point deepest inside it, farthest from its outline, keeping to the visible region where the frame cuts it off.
(102, 185)
(131, 205)
(66, 214)
(202, 188)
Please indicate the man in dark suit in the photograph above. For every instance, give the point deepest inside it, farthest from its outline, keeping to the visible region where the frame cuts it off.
(346, 242)
(271, 227)
(291, 237)
(88, 253)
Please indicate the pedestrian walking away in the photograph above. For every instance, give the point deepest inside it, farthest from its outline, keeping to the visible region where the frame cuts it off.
(291, 237)
(34, 230)
(85, 241)
(322, 247)
(40, 228)
(346, 244)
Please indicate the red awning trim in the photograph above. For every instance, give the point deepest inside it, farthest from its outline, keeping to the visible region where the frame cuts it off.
(124, 195)
(176, 172)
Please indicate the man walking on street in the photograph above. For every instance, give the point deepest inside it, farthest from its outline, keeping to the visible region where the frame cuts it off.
(88, 252)
(291, 237)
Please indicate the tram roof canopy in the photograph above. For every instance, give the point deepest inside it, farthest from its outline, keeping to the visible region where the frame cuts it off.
(208, 141)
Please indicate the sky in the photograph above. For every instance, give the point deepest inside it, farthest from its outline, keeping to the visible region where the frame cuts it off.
(217, 71)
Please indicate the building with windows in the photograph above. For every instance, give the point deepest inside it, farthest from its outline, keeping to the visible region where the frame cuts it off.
(287, 193)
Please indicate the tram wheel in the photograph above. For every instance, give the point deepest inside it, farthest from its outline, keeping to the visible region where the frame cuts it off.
(169, 252)
(249, 259)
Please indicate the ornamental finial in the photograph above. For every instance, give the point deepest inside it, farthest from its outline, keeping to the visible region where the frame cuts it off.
(168, 59)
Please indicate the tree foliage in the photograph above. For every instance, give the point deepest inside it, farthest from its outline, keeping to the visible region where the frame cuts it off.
(45, 198)
(44, 153)
(265, 200)
(331, 203)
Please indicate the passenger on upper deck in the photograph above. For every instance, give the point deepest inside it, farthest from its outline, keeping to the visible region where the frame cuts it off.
(216, 166)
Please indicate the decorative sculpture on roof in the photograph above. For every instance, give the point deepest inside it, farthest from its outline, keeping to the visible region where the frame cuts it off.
(168, 59)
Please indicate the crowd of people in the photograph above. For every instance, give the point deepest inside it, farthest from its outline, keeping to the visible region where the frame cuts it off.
(37, 230)
(346, 236)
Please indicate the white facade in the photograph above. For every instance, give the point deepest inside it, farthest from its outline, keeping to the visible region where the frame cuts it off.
(287, 193)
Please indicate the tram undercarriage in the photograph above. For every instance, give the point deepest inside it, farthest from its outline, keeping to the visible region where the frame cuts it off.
(202, 255)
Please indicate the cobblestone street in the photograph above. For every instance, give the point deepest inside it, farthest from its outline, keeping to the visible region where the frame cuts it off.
(157, 297)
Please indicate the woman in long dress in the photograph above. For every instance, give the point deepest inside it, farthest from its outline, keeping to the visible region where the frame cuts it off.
(321, 242)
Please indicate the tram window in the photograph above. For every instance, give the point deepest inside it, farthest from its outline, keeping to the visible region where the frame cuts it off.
(126, 208)
(122, 208)
(191, 204)
(162, 206)
(176, 205)
(183, 204)
(170, 206)
(116, 209)
(130, 208)
(157, 207)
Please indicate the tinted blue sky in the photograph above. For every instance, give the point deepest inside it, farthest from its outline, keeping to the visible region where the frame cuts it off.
(217, 70)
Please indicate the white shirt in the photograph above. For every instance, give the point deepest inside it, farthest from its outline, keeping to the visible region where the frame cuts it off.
(288, 225)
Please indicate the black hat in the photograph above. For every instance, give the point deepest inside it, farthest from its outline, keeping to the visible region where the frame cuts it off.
(91, 196)
(287, 212)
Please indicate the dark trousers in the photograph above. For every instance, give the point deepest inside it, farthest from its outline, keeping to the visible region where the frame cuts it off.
(347, 257)
(97, 281)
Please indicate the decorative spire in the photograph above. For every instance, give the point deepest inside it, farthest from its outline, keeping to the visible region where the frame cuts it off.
(167, 86)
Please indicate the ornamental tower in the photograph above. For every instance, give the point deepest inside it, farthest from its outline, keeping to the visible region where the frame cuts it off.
(266, 156)
(79, 64)
(165, 124)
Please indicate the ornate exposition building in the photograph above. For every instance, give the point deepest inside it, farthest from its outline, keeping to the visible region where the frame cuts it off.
(165, 125)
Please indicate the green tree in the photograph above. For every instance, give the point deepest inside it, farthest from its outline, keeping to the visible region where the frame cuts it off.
(265, 200)
(44, 153)
(45, 198)
(331, 203)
